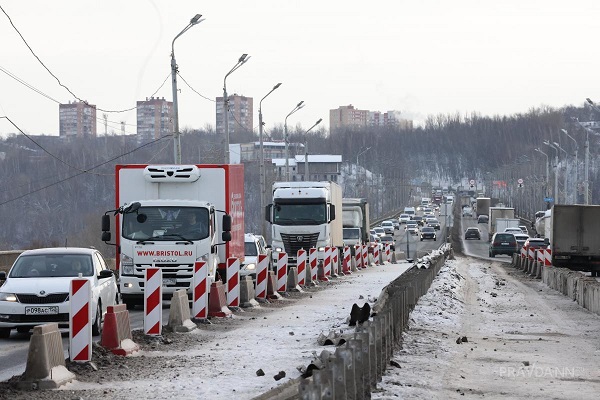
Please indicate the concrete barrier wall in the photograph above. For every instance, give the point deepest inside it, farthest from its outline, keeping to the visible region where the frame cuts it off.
(580, 288)
(356, 368)
(7, 258)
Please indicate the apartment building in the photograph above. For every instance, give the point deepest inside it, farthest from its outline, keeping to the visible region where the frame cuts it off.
(77, 119)
(154, 118)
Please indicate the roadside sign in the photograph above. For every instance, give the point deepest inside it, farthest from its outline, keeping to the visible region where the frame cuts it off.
(548, 199)
(472, 181)
(520, 181)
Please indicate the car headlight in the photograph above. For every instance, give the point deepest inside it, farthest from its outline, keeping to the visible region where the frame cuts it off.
(321, 249)
(250, 266)
(11, 297)
(278, 249)
(126, 265)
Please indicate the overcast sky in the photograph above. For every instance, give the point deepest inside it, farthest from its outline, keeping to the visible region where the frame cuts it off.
(421, 57)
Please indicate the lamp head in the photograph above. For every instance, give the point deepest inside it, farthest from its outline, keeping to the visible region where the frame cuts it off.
(564, 131)
(589, 100)
(276, 86)
(195, 19)
(300, 104)
(319, 121)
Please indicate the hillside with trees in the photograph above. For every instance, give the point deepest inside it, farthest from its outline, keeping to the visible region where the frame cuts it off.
(55, 190)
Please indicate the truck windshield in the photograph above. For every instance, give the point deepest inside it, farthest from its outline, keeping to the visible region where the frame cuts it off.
(300, 214)
(166, 224)
(351, 233)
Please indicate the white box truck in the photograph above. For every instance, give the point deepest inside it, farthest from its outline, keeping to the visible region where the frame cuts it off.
(575, 237)
(305, 215)
(355, 214)
(496, 213)
(171, 216)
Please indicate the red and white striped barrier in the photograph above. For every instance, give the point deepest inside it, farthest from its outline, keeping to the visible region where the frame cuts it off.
(548, 258)
(365, 256)
(80, 320)
(233, 282)
(261, 276)
(153, 301)
(523, 253)
(388, 248)
(312, 262)
(358, 256)
(301, 263)
(540, 256)
(282, 261)
(376, 255)
(335, 261)
(346, 262)
(200, 285)
(327, 262)
(531, 254)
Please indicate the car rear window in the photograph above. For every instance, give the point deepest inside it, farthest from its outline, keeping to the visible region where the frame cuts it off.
(505, 237)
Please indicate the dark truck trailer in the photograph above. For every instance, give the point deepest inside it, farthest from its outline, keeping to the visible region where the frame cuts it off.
(575, 239)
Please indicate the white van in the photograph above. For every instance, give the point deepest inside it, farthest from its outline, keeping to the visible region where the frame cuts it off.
(410, 211)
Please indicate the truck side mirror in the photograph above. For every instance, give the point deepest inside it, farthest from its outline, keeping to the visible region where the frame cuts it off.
(106, 223)
(226, 236)
(546, 241)
(227, 224)
(268, 212)
(106, 236)
(332, 212)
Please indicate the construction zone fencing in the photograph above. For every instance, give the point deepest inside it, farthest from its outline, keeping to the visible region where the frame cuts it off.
(355, 368)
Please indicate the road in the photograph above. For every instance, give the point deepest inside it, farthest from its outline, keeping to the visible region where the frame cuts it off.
(13, 355)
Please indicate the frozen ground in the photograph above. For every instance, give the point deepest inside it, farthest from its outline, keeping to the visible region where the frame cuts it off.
(484, 330)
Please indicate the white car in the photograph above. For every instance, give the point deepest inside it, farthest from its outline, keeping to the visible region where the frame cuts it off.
(513, 230)
(36, 289)
(404, 218)
(379, 231)
(253, 247)
(388, 227)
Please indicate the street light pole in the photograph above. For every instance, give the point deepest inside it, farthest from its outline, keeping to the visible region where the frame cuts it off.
(176, 139)
(566, 174)
(555, 170)
(547, 170)
(262, 160)
(357, 165)
(287, 155)
(576, 163)
(241, 61)
(306, 174)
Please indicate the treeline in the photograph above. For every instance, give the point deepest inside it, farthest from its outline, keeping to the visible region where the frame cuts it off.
(53, 191)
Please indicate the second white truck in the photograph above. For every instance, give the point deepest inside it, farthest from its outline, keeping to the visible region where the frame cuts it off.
(304, 215)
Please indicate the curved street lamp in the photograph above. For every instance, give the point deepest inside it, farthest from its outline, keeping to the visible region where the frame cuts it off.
(547, 143)
(176, 140)
(287, 158)
(262, 159)
(547, 169)
(576, 163)
(241, 61)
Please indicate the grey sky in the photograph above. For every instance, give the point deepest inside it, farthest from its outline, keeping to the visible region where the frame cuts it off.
(422, 57)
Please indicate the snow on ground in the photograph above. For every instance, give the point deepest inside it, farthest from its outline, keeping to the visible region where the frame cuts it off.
(485, 330)
(280, 339)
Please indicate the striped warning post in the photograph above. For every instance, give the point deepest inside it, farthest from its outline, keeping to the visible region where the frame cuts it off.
(388, 248)
(80, 320)
(312, 262)
(531, 254)
(282, 261)
(301, 263)
(335, 261)
(200, 285)
(540, 256)
(523, 253)
(346, 262)
(548, 258)
(365, 256)
(327, 262)
(358, 256)
(376, 255)
(233, 282)
(261, 276)
(153, 301)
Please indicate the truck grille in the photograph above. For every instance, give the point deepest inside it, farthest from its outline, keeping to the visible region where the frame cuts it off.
(35, 299)
(293, 243)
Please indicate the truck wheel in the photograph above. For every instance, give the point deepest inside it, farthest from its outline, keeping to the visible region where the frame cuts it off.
(4, 333)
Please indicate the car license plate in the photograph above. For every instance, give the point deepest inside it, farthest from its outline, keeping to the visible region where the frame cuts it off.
(504, 244)
(45, 310)
(169, 281)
